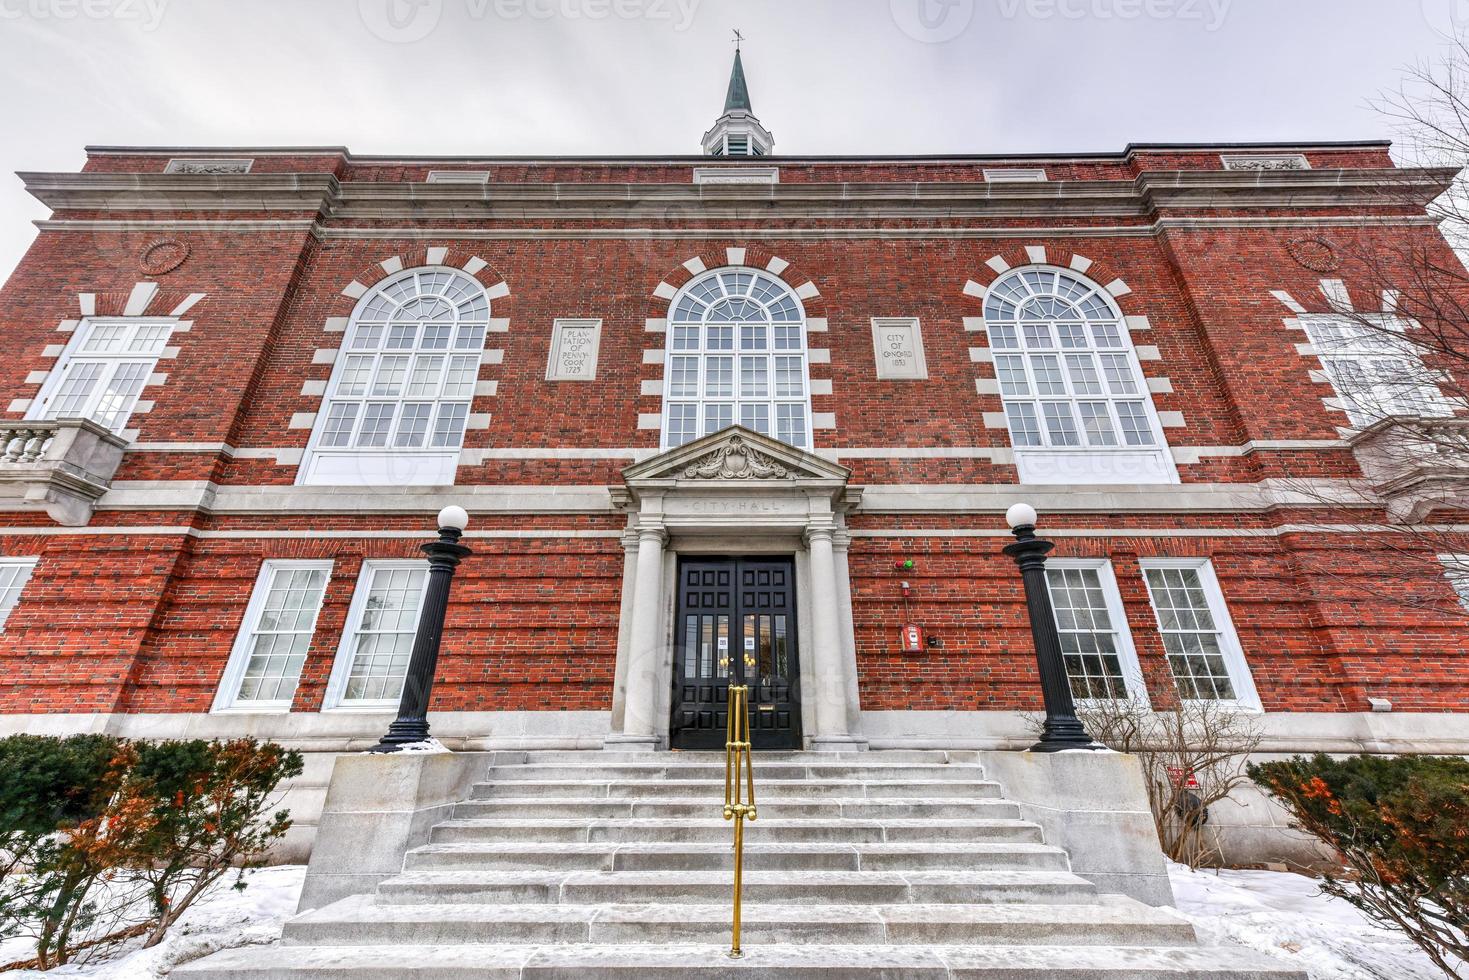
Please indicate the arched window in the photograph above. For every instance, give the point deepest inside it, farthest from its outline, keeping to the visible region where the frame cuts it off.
(1075, 398)
(399, 396)
(736, 354)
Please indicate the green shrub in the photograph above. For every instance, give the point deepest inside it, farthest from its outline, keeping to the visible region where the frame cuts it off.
(48, 785)
(1401, 828)
(103, 840)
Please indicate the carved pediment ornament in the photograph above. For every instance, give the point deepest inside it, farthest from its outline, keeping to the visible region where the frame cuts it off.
(735, 461)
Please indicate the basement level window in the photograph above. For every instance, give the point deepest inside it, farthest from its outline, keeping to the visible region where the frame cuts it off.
(14, 574)
(1203, 649)
(265, 664)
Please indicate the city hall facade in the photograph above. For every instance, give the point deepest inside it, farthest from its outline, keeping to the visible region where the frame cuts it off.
(734, 414)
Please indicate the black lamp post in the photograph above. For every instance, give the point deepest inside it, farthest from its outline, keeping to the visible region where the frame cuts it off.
(444, 555)
(1062, 730)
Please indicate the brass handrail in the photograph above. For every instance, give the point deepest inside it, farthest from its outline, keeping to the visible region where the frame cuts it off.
(739, 793)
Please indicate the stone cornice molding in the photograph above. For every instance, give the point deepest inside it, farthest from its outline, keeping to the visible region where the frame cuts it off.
(1144, 196)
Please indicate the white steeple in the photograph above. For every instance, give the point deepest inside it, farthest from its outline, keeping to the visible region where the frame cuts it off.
(738, 133)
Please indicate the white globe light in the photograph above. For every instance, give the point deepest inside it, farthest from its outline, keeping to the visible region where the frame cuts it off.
(455, 517)
(1021, 515)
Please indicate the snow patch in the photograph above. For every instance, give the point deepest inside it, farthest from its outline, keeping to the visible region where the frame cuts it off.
(223, 919)
(1288, 917)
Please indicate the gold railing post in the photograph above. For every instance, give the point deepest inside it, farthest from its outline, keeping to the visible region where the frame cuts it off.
(739, 791)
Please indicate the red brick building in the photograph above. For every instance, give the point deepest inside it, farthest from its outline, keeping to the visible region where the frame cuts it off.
(240, 382)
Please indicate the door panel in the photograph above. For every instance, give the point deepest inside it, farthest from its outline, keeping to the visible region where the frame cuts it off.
(736, 621)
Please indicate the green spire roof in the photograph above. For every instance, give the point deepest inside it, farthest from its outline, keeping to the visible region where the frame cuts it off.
(739, 93)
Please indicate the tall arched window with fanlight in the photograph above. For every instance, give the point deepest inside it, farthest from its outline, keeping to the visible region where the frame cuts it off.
(1076, 401)
(399, 396)
(736, 355)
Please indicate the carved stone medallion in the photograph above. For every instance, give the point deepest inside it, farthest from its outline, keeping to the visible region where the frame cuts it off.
(736, 461)
(1315, 253)
(163, 256)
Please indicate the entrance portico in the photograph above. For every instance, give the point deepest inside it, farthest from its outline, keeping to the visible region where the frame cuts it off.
(736, 493)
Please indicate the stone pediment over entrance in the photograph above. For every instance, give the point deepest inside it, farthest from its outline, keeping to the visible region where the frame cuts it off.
(735, 455)
(722, 476)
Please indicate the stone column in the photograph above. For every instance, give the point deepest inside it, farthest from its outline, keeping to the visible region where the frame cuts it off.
(841, 542)
(624, 626)
(831, 733)
(639, 721)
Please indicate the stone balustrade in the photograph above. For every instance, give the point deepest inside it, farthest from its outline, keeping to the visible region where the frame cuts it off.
(61, 466)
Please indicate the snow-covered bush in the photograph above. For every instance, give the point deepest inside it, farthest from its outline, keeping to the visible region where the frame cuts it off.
(1401, 827)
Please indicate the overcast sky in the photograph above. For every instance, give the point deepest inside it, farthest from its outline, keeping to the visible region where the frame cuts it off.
(648, 76)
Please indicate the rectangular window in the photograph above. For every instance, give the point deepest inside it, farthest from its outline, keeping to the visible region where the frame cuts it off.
(373, 658)
(1456, 567)
(1376, 369)
(1100, 660)
(103, 371)
(14, 574)
(1203, 651)
(274, 637)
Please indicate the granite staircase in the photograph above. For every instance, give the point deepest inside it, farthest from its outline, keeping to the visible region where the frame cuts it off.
(892, 865)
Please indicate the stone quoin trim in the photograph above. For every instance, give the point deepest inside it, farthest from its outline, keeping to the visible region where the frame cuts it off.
(754, 257)
(135, 302)
(1159, 388)
(497, 291)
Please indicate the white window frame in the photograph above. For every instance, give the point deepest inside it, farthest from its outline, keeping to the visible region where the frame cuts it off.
(347, 646)
(28, 567)
(390, 465)
(1081, 464)
(701, 354)
(1372, 343)
(74, 355)
(1246, 698)
(1456, 570)
(1132, 671)
(226, 698)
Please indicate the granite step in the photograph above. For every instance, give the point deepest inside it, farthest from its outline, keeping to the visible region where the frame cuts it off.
(715, 829)
(778, 807)
(618, 772)
(714, 788)
(360, 921)
(985, 887)
(710, 962)
(716, 757)
(694, 856)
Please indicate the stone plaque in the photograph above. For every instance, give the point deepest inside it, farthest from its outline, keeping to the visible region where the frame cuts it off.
(574, 345)
(897, 345)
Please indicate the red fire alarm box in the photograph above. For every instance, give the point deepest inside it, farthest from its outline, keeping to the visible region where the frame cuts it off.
(912, 638)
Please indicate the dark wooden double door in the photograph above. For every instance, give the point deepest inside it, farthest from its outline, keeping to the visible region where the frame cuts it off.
(736, 623)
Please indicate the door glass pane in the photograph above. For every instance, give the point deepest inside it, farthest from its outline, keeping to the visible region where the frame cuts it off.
(782, 649)
(722, 634)
(694, 652)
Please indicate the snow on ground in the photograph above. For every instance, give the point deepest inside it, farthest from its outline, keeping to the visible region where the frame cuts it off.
(223, 919)
(1286, 916)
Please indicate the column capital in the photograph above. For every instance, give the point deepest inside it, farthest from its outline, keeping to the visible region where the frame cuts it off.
(841, 539)
(653, 532)
(819, 532)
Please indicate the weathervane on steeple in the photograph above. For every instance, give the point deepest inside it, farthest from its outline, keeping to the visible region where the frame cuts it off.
(738, 133)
